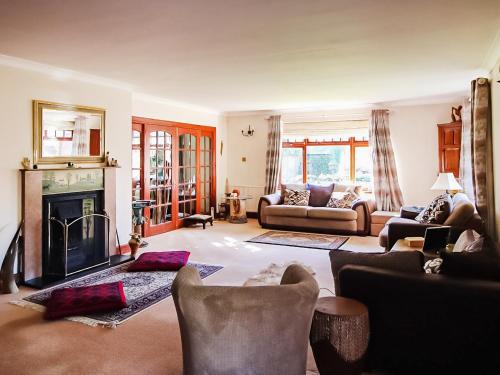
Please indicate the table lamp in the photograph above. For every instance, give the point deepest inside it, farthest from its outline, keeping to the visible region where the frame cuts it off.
(448, 182)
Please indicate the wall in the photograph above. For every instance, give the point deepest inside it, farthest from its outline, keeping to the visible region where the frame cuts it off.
(414, 135)
(249, 176)
(19, 87)
(156, 108)
(415, 141)
(495, 100)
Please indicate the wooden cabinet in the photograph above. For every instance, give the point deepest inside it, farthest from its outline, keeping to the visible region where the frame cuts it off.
(450, 141)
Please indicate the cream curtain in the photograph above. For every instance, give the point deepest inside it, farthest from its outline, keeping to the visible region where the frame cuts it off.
(385, 177)
(273, 154)
(482, 153)
(466, 177)
(81, 136)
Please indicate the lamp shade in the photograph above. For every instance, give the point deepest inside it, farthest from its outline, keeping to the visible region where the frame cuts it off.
(446, 181)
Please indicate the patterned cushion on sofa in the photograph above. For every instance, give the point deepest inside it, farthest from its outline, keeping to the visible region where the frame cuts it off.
(345, 201)
(437, 212)
(297, 197)
(296, 187)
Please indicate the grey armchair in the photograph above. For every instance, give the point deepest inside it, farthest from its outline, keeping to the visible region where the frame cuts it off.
(245, 330)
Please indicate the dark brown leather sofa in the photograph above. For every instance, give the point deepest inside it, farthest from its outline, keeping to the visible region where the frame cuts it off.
(462, 217)
(427, 324)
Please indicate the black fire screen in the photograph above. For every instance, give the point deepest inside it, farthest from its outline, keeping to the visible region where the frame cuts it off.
(76, 233)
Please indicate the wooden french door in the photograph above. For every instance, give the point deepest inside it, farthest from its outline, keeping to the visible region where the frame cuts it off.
(207, 171)
(159, 176)
(178, 171)
(188, 176)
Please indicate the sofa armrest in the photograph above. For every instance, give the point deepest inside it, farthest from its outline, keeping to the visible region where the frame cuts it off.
(364, 208)
(397, 231)
(410, 212)
(422, 323)
(267, 200)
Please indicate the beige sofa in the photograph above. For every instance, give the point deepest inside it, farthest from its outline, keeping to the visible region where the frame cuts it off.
(274, 214)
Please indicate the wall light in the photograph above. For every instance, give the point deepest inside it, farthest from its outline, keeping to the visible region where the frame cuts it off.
(248, 133)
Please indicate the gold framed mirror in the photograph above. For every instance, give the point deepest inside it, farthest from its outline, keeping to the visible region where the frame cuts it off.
(65, 133)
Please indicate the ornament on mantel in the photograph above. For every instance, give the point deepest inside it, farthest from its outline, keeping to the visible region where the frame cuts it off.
(26, 163)
(110, 162)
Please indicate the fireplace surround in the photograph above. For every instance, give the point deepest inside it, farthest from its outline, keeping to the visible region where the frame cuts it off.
(95, 188)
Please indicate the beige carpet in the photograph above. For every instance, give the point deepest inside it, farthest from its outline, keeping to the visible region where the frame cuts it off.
(148, 343)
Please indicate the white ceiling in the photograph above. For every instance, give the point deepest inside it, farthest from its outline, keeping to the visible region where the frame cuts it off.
(237, 55)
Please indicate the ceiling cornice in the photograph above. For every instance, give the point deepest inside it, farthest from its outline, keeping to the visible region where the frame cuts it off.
(62, 74)
(174, 103)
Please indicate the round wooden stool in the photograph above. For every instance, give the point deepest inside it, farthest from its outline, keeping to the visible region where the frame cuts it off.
(339, 335)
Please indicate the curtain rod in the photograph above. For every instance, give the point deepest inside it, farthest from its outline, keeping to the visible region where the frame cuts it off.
(319, 122)
(340, 114)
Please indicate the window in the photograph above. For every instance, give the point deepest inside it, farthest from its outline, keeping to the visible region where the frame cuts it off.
(328, 163)
(292, 162)
(321, 153)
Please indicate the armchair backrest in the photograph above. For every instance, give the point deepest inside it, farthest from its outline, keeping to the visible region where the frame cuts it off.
(245, 330)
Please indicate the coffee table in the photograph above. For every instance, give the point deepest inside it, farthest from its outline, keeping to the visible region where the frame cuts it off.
(401, 245)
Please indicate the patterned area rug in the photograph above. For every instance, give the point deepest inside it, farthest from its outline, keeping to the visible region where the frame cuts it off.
(142, 290)
(309, 240)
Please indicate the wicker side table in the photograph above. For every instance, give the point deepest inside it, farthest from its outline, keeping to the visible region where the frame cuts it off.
(339, 335)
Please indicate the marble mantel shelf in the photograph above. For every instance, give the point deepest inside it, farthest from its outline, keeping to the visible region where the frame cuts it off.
(65, 169)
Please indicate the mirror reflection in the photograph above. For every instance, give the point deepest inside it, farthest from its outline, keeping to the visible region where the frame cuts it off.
(67, 133)
(70, 133)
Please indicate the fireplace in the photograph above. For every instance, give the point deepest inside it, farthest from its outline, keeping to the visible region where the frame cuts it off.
(75, 233)
(69, 224)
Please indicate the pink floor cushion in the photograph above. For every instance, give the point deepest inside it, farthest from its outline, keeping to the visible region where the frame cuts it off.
(85, 300)
(160, 261)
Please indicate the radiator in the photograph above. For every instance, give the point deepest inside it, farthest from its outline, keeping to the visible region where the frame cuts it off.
(252, 191)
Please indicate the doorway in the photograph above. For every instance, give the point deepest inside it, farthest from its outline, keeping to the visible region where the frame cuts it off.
(173, 165)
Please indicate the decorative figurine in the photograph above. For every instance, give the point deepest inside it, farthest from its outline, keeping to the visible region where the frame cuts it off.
(456, 113)
(106, 159)
(26, 163)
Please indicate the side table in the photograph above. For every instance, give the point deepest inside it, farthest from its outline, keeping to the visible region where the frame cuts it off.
(237, 209)
(339, 336)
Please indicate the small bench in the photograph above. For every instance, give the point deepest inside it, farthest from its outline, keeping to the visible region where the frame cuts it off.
(199, 218)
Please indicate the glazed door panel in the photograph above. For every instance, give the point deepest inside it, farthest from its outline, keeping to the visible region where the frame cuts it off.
(159, 172)
(188, 176)
(207, 172)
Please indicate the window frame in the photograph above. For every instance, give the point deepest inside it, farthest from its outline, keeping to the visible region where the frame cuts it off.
(351, 142)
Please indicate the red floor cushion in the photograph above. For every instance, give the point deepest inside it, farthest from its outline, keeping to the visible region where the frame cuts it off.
(85, 300)
(160, 261)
